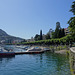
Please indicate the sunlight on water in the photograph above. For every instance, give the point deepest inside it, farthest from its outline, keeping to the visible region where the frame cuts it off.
(37, 64)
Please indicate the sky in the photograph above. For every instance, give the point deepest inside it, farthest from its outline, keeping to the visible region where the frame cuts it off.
(25, 18)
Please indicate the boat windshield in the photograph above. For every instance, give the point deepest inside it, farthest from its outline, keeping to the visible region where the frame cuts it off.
(0, 49)
(36, 47)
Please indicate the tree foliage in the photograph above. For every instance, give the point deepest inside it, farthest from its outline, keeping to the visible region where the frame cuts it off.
(47, 35)
(73, 8)
(63, 40)
(62, 32)
(40, 34)
(37, 37)
(59, 32)
(71, 22)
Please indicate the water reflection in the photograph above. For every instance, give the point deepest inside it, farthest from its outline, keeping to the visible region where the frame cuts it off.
(35, 64)
(6, 59)
(53, 64)
(59, 62)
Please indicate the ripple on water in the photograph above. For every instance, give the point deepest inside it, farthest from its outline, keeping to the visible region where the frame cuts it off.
(35, 64)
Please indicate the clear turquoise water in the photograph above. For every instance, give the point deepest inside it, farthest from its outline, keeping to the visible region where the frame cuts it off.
(35, 64)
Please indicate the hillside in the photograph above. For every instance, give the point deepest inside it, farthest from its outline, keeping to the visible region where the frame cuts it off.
(3, 33)
(6, 37)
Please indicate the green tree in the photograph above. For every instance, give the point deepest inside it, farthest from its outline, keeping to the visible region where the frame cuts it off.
(62, 32)
(53, 34)
(57, 30)
(71, 22)
(73, 8)
(48, 35)
(40, 34)
(37, 37)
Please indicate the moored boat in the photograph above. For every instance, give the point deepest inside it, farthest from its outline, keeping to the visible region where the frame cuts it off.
(34, 49)
(46, 49)
(4, 52)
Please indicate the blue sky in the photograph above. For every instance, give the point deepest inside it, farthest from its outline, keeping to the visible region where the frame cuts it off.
(25, 18)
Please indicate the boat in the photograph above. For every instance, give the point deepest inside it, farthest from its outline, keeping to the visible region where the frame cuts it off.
(34, 49)
(46, 49)
(23, 47)
(4, 52)
(27, 47)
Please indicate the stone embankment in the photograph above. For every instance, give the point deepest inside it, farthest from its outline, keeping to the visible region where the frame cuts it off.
(61, 52)
(72, 60)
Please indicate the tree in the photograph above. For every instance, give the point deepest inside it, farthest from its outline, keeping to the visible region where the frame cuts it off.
(71, 22)
(40, 34)
(57, 30)
(37, 37)
(73, 8)
(48, 35)
(62, 33)
(53, 35)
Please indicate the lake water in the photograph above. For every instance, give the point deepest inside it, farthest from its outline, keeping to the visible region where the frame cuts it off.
(35, 64)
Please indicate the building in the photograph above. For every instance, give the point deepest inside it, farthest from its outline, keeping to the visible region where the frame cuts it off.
(2, 41)
(30, 40)
(50, 32)
(16, 41)
(66, 31)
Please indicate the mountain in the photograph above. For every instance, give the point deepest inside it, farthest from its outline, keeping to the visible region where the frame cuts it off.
(3, 33)
(6, 37)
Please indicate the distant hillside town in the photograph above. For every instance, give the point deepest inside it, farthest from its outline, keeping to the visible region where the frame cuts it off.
(5, 38)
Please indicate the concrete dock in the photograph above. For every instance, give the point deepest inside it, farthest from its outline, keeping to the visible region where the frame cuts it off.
(38, 52)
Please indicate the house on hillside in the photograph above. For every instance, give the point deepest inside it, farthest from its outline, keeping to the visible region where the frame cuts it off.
(66, 31)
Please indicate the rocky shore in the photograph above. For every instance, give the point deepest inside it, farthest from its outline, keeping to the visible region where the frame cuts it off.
(61, 52)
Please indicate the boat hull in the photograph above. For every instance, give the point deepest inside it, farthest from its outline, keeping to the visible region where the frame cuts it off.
(7, 54)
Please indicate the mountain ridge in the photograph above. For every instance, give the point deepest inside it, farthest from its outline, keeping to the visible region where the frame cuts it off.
(5, 36)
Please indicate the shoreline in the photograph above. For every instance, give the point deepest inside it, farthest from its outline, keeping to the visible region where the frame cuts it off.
(61, 52)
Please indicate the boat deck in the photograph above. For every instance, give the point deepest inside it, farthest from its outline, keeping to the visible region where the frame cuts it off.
(32, 52)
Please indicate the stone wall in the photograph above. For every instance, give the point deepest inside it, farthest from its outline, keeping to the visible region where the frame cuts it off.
(72, 60)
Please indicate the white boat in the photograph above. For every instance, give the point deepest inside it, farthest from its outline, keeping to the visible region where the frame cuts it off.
(4, 52)
(46, 49)
(34, 49)
(22, 47)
